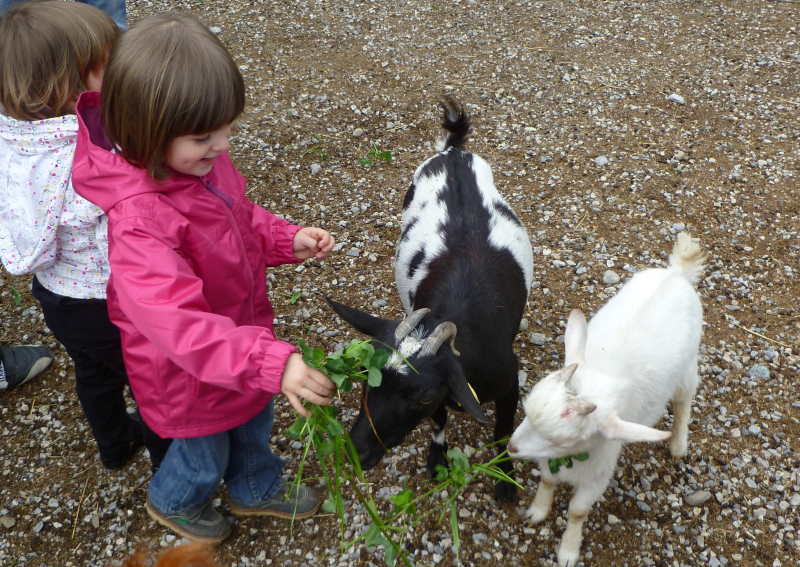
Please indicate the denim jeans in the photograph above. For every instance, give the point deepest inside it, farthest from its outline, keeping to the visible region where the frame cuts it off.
(114, 8)
(193, 468)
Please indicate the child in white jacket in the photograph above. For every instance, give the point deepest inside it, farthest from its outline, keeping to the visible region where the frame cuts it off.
(49, 53)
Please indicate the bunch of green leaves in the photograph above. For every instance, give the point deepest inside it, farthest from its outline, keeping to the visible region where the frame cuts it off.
(374, 156)
(360, 361)
(410, 509)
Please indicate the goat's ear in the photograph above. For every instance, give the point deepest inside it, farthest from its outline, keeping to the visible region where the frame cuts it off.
(575, 338)
(364, 322)
(615, 428)
(461, 391)
(566, 373)
(582, 407)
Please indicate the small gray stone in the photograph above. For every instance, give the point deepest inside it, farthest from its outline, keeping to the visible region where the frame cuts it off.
(676, 98)
(759, 371)
(358, 132)
(315, 168)
(7, 522)
(610, 277)
(697, 498)
(538, 339)
(601, 161)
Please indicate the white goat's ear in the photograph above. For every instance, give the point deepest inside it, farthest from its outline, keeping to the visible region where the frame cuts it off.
(575, 338)
(566, 373)
(615, 428)
(582, 407)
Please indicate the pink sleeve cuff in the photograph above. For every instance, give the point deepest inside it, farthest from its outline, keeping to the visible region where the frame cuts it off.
(274, 356)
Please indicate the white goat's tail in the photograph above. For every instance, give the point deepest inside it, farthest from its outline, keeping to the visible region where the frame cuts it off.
(687, 257)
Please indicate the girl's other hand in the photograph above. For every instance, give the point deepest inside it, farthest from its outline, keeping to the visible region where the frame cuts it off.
(312, 242)
(301, 382)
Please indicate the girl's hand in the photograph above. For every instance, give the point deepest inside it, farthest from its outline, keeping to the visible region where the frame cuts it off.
(312, 242)
(301, 382)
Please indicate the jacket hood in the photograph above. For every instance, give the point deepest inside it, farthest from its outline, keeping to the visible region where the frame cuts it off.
(37, 137)
(102, 176)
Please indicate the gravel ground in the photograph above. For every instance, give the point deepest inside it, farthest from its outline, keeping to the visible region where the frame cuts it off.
(610, 126)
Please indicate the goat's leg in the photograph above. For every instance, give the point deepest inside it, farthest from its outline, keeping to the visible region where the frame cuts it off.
(682, 411)
(505, 410)
(542, 502)
(579, 507)
(437, 454)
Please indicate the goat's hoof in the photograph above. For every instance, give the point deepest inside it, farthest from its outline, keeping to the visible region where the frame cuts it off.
(436, 458)
(678, 450)
(505, 492)
(567, 557)
(536, 514)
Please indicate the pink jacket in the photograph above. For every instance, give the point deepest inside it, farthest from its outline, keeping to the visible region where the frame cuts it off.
(188, 286)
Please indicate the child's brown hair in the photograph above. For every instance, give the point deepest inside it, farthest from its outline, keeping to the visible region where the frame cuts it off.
(188, 555)
(47, 51)
(168, 76)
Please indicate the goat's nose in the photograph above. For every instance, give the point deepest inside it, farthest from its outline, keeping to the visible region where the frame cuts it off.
(512, 449)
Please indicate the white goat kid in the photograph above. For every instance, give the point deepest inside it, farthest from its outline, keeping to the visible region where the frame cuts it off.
(637, 353)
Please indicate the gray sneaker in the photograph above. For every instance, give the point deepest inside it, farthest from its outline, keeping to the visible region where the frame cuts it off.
(206, 526)
(300, 502)
(20, 363)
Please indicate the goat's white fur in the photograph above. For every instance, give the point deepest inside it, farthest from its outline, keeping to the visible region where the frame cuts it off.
(407, 348)
(430, 214)
(637, 353)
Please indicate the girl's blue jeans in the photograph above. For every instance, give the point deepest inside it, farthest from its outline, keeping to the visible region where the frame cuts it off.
(193, 468)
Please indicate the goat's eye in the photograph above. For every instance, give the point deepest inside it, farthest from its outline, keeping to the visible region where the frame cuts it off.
(425, 402)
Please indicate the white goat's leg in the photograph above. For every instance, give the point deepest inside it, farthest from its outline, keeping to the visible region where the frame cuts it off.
(542, 502)
(579, 507)
(681, 413)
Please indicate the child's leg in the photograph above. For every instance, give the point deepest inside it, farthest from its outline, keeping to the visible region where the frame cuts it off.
(254, 471)
(190, 473)
(92, 341)
(182, 489)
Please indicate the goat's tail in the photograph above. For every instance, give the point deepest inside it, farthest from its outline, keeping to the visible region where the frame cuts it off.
(455, 122)
(687, 257)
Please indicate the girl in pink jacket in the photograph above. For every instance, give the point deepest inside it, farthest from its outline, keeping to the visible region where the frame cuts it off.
(188, 254)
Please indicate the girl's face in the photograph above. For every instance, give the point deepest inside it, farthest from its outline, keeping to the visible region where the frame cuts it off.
(194, 154)
(94, 79)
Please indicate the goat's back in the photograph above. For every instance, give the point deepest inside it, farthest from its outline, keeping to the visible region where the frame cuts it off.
(643, 343)
(454, 214)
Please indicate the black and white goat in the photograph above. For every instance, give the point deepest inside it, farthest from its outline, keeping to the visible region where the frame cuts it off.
(463, 268)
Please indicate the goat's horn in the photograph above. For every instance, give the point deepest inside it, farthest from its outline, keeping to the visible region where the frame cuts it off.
(442, 332)
(409, 323)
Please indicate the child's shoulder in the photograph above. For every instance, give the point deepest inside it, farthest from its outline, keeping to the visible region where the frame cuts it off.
(44, 132)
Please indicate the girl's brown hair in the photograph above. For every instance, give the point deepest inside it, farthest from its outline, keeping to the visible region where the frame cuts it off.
(47, 51)
(168, 76)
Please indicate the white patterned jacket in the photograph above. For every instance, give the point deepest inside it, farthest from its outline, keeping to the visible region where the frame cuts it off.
(45, 227)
